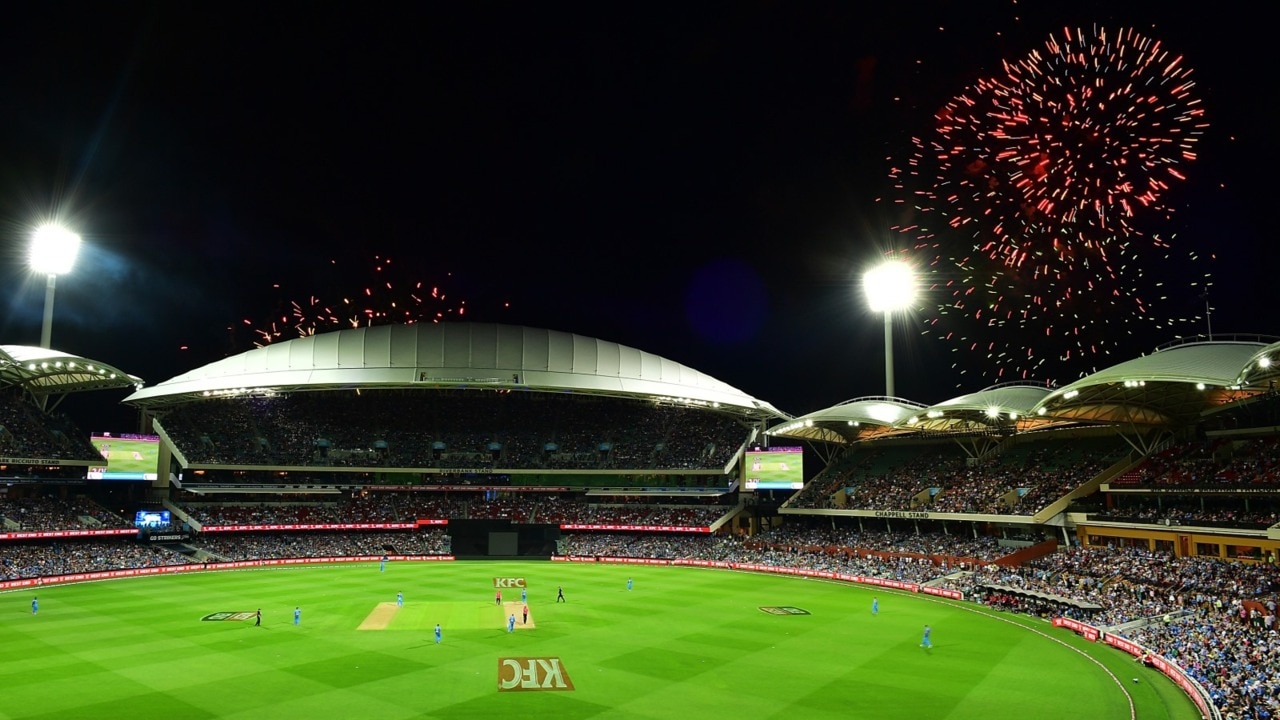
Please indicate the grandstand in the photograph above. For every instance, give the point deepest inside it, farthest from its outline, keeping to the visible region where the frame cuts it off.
(35, 438)
(1187, 427)
(1138, 502)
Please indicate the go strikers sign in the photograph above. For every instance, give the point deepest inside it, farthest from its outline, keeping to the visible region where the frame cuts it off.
(532, 674)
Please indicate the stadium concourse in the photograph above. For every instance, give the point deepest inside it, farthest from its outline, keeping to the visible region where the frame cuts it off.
(1141, 502)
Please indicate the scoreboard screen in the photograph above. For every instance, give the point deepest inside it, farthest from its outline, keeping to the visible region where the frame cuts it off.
(126, 456)
(776, 468)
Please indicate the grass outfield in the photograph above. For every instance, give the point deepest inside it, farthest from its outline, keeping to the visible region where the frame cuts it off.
(129, 455)
(685, 642)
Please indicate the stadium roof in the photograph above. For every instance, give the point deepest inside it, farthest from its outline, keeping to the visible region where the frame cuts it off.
(42, 371)
(453, 355)
(857, 419)
(1000, 407)
(1174, 385)
(1005, 406)
(1263, 368)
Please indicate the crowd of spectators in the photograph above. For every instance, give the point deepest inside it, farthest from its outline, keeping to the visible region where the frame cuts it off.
(20, 560)
(845, 469)
(1254, 512)
(27, 431)
(984, 548)
(474, 429)
(266, 514)
(611, 513)
(737, 550)
(308, 545)
(1223, 462)
(902, 487)
(1023, 480)
(1236, 660)
(46, 513)
(407, 507)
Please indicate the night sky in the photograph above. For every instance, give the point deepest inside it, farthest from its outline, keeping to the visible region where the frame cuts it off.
(700, 181)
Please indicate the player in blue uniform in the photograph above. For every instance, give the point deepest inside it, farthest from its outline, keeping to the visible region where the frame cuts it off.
(297, 616)
(925, 642)
(35, 605)
(628, 583)
(437, 633)
(875, 606)
(511, 623)
(524, 595)
(382, 566)
(399, 599)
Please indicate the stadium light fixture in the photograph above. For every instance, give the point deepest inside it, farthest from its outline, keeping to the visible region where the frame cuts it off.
(889, 287)
(53, 253)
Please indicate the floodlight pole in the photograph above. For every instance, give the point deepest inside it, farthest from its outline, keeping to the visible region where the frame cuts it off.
(889, 287)
(53, 251)
(46, 327)
(888, 353)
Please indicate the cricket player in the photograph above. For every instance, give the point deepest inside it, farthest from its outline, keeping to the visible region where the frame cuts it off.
(382, 566)
(525, 621)
(497, 597)
(399, 599)
(524, 595)
(297, 616)
(437, 633)
(926, 642)
(875, 606)
(511, 623)
(35, 605)
(628, 584)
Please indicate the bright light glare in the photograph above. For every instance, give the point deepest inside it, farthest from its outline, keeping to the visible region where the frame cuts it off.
(889, 287)
(53, 250)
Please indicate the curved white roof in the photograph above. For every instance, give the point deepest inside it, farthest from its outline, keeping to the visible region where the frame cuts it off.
(52, 372)
(859, 418)
(1006, 405)
(1173, 384)
(453, 354)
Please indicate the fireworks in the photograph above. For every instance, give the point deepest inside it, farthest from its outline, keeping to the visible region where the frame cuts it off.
(1033, 196)
(384, 299)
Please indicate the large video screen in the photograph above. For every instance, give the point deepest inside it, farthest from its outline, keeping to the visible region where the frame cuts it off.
(127, 456)
(775, 468)
(151, 519)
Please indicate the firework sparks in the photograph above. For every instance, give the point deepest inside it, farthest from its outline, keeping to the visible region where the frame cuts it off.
(385, 298)
(1034, 193)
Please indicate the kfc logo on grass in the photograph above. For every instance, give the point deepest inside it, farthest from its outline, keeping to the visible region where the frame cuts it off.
(508, 582)
(532, 673)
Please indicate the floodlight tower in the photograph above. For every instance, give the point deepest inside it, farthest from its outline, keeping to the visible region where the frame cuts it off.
(889, 287)
(53, 253)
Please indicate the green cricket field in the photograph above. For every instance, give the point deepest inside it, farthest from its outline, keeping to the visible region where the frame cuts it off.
(683, 642)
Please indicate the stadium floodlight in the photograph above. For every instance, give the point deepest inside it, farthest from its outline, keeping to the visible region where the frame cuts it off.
(889, 287)
(53, 253)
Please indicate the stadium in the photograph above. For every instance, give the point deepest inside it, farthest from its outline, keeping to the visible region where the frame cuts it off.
(598, 531)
